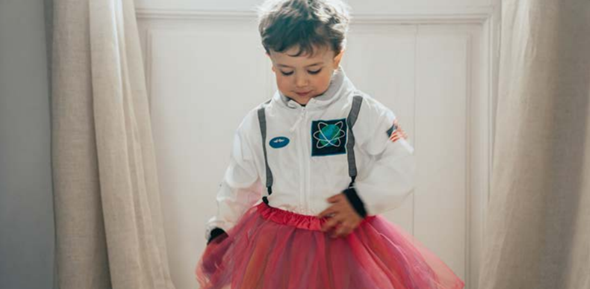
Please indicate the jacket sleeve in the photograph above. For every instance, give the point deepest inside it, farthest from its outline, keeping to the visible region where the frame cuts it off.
(240, 187)
(390, 176)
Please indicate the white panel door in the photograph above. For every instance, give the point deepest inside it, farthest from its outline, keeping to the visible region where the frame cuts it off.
(205, 70)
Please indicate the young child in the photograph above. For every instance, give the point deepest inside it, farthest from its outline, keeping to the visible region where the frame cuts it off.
(311, 170)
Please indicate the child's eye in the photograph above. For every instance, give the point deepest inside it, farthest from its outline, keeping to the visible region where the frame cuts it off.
(310, 72)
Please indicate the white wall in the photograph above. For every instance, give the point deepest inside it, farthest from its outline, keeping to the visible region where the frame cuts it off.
(26, 210)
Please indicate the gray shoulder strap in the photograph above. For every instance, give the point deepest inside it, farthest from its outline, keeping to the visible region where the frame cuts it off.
(350, 120)
(262, 122)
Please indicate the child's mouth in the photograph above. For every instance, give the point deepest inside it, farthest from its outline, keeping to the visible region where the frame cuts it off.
(303, 93)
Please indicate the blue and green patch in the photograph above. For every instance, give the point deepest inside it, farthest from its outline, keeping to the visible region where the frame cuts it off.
(328, 137)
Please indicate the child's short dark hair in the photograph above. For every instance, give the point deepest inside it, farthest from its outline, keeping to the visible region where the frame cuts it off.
(305, 23)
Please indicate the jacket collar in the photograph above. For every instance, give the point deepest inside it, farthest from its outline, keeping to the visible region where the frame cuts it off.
(339, 85)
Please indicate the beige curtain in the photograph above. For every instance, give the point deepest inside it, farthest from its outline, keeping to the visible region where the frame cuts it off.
(538, 222)
(109, 231)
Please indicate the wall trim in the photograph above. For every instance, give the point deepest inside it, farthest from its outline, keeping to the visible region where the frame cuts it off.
(446, 15)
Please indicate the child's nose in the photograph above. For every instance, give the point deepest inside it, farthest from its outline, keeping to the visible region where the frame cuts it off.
(301, 81)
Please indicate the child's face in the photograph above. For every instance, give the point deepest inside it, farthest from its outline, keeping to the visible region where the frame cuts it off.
(303, 78)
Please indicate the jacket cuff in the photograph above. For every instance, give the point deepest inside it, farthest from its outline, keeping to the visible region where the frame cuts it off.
(355, 201)
(216, 232)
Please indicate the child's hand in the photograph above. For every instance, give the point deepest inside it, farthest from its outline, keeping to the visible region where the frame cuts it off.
(342, 216)
(213, 255)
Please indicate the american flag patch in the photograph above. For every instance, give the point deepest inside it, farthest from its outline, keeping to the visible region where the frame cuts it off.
(396, 132)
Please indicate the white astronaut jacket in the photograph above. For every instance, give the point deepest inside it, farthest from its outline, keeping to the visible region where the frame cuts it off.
(308, 150)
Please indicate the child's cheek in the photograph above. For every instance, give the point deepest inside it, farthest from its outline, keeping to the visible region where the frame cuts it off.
(323, 82)
(283, 84)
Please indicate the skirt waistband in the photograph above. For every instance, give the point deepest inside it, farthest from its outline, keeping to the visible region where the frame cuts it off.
(289, 218)
(292, 219)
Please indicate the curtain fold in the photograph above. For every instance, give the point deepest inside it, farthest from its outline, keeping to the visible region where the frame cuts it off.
(109, 231)
(538, 220)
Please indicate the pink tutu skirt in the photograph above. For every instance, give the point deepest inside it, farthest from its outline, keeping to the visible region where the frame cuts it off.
(271, 248)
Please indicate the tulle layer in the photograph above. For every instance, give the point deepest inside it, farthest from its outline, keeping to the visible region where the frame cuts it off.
(274, 249)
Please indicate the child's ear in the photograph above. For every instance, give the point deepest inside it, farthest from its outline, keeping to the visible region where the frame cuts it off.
(338, 58)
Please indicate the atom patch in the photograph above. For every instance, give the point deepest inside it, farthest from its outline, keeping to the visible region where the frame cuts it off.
(396, 132)
(328, 137)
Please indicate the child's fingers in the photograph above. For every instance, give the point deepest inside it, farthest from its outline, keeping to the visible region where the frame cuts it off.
(334, 198)
(347, 224)
(331, 223)
(327, 212)
(343, 231)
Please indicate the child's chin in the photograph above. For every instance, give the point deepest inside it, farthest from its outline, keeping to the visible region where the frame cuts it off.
(308, 98)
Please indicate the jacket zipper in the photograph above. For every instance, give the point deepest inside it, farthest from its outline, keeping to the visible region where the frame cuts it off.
(302, 172)
(305, 158)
